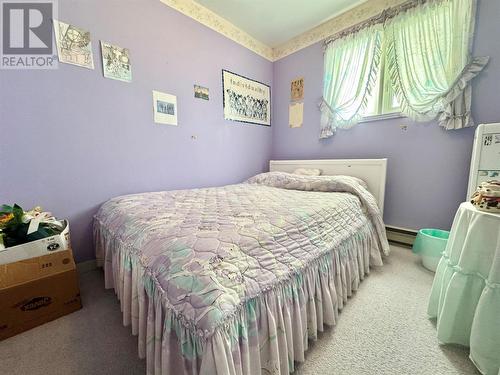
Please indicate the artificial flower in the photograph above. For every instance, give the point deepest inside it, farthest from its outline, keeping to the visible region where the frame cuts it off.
(5, 218)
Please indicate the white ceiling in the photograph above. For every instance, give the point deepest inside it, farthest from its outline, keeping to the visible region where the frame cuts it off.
(274, 22)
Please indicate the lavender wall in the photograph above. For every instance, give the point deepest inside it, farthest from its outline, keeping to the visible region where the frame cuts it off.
(72, 139)
(428, 167)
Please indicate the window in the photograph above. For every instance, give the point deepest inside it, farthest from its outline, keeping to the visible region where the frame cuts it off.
(426, 45)
(382, 100)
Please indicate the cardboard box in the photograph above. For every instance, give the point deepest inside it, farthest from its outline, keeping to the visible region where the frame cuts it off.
(35, 268)
(25, 306)
(37, 248)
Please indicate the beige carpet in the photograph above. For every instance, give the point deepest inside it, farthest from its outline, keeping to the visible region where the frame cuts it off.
(382, 330)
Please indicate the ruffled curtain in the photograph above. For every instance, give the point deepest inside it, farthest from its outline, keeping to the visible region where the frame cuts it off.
(429, 56)
(350, 72)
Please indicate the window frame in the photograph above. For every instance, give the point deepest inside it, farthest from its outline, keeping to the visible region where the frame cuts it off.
(384, 94)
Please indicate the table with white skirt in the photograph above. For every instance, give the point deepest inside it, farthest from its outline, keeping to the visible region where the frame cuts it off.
(465, 295)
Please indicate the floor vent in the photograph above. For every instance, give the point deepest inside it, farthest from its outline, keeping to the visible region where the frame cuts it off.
(400, 236)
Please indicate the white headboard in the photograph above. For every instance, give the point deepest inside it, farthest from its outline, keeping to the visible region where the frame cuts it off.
(372, 171)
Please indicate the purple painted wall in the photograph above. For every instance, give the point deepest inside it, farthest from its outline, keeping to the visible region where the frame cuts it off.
(428, 167)
(72, 139)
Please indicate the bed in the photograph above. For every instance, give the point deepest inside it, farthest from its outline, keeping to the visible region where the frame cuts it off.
(237, 279)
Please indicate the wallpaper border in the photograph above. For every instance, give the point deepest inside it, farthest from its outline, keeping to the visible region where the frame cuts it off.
(321, 32)
(334, 25)
(215, 22)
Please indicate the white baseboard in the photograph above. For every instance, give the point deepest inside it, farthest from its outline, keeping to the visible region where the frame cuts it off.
(87, 266)
(402, 229)
(401, 236)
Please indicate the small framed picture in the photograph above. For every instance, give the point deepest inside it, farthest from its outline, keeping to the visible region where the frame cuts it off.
(297, 89)
(116, 62)
(74, 45)
(201, 92)
(164, 108)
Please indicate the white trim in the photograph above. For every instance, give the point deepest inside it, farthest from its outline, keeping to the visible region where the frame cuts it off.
(345, 10)
(336, 24)
(413, 231)
(357, 12)
(401, 235)
(385, 116)
(215, 22)
(87, 266)
(372, 171)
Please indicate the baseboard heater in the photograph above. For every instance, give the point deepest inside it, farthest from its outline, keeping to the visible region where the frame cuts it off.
(400, 236)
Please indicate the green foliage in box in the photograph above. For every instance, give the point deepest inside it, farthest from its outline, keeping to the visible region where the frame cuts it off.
(14, 223)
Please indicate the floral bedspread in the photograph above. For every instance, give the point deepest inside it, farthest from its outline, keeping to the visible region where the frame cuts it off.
(210, 250)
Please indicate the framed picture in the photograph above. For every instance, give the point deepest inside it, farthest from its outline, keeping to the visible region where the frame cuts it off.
(164, 108)
(246, 100)
(116, 62)
(297, 89)
(201, 92)
(73, 45)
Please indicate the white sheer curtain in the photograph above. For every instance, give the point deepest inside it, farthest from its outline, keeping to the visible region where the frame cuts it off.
(430, 60)
(350, 72)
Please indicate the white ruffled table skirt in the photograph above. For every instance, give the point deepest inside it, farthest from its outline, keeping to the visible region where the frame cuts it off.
(465, 295)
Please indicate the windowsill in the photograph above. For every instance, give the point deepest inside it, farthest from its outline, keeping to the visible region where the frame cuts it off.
(385, 116)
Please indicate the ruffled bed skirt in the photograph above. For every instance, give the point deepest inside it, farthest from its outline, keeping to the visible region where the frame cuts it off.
(268, 334)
